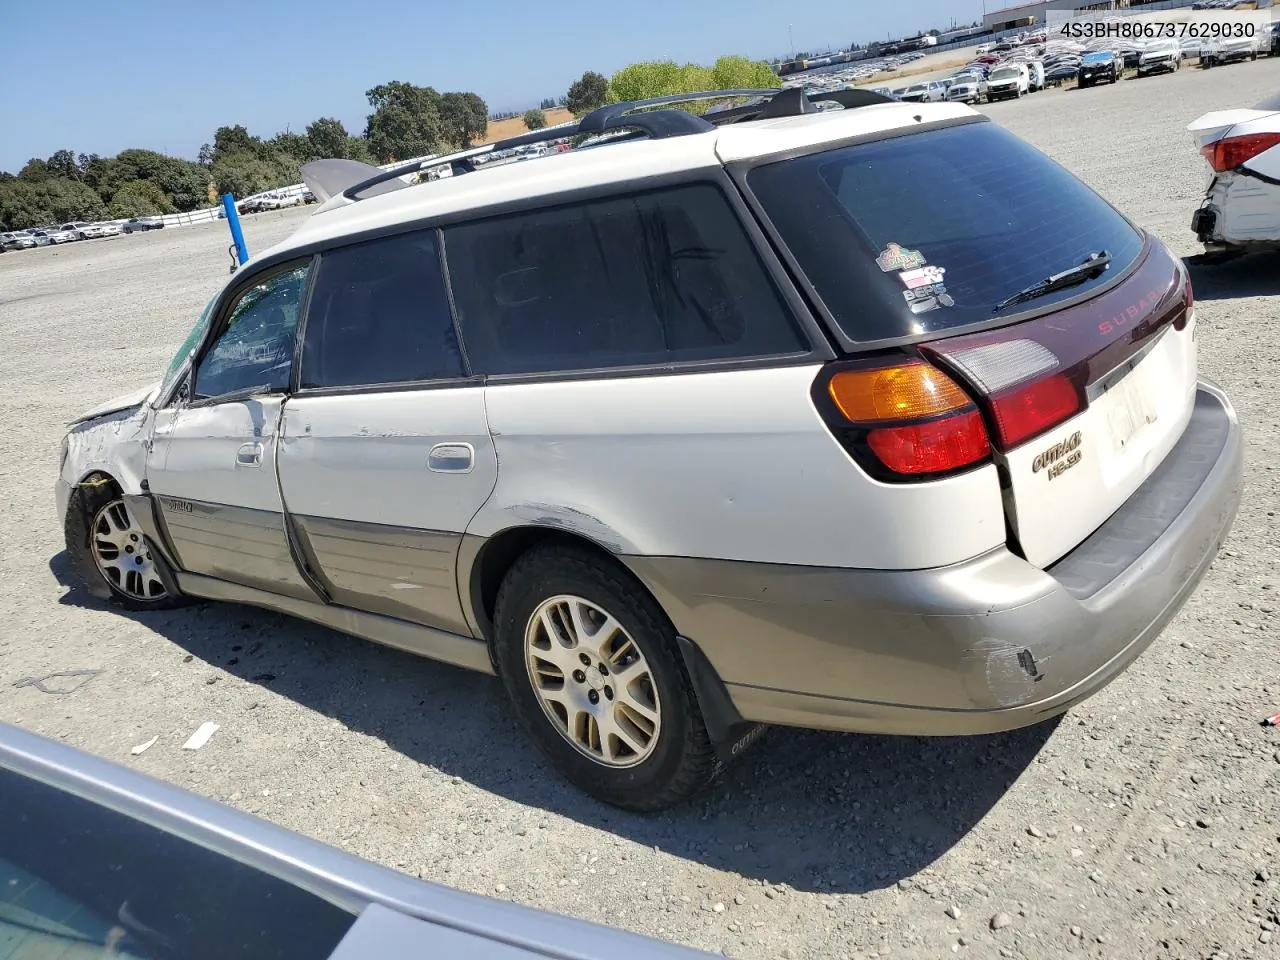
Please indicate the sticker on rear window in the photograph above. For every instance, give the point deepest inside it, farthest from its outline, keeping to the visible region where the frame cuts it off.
(896, 257)
(928, 297)
(922, 277)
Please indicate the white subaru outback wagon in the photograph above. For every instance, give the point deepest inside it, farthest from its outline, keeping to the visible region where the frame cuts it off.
(773, 415)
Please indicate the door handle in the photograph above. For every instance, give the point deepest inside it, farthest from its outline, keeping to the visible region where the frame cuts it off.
(451, 458)
(249, 455)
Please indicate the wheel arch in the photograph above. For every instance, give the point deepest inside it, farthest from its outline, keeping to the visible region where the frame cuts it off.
(483, 563)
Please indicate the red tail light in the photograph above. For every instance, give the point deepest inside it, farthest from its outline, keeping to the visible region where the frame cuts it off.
(1188, 299)
(1232, 152)
(1026, 390)
(904, 421)
(938, 446)
(1030, 409)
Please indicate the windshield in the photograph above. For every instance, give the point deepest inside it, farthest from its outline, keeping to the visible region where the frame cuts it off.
(929, 231)
(1000, 73)
(184, 351)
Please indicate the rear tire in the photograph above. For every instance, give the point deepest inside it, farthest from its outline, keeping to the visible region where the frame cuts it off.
(591, 665)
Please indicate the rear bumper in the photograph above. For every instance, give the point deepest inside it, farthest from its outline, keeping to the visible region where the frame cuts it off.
(988, 645)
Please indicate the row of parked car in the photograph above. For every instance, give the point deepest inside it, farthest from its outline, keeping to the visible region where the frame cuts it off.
(73, 231)
(1006, 74)
(83, 230)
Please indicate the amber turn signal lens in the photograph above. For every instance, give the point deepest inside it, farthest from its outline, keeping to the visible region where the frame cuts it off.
(911, 391)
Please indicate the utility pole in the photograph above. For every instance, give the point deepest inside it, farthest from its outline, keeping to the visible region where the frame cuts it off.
(791, 40)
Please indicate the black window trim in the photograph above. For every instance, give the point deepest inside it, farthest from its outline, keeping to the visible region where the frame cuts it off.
(796, 310)
(227, 299)
(812, 330)
(741, 169)
(296, 389)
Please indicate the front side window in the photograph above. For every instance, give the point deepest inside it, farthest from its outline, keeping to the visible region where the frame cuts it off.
(254, 352)
(380, 314)
(652, 278)
(188, 345)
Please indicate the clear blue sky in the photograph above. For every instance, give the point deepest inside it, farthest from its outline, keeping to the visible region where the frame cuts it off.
(97, 76)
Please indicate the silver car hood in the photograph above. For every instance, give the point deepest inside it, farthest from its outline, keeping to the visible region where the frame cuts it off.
(126, 401)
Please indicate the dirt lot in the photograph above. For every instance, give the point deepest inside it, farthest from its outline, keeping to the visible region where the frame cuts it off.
(1143, 824)
(514, 126)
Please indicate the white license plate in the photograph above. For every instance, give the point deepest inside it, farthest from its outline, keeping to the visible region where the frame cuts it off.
(1131, 406)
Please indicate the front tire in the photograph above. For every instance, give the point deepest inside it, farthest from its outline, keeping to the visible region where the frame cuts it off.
(591, 664)
(111, 553)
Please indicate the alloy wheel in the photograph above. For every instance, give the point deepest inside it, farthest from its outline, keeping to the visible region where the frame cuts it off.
(592, 681)
(121, 554)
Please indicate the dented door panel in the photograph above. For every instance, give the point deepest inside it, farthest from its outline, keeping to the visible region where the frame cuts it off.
(212, 472)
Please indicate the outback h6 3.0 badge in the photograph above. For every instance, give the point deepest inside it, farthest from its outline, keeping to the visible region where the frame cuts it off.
(896, 257)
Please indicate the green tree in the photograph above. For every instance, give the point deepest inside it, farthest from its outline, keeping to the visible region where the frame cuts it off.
(661, 78)
(184, 184)
(464, 117)
(328, 138)
(587, 93)
(63, 165)
(139, 198)
(548, 103)
(232, 140)
(405, 121)
(24, 203)
(658, 78)
(95, 171)
(244, 174)
(742, 73)
(34, 171)
(535, 119)
(357, 148)
(295, 145)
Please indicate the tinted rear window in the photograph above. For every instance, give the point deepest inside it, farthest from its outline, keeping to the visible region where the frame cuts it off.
(990, 212)
(654, 278)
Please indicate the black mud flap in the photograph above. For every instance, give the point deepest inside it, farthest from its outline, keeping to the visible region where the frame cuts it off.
(730, 734)
(1203, 222)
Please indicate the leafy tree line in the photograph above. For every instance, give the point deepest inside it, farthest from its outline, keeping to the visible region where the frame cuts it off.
(660, 78)
(405, 120)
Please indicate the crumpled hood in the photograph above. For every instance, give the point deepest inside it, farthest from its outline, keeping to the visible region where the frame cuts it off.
(123, 402)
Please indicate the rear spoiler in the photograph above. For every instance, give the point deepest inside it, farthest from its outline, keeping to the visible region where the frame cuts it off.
(328, 178)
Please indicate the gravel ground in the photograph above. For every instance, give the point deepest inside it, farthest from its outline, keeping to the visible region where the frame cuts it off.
(1143, 824)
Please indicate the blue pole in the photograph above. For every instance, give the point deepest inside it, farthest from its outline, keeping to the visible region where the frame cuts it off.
(233, 221)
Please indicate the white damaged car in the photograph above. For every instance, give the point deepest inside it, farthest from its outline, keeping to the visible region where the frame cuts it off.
(1241, 209)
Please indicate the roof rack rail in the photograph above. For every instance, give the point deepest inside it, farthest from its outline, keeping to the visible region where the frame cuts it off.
(797, 103)
(646, 117)
(460, 161)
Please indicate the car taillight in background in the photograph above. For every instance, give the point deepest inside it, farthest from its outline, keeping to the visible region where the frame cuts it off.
(903, 421)
(1231, 152)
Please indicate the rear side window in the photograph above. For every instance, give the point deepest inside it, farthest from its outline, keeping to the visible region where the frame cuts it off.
(931, 231)
(380, 314)
(653, 278)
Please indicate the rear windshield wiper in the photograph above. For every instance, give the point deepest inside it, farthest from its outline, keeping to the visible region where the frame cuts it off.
(1093, 265)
